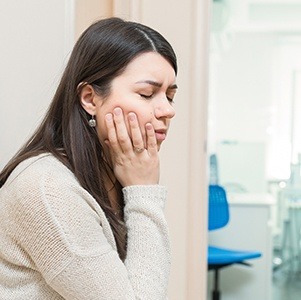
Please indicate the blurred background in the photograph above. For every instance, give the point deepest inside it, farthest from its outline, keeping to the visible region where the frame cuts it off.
(254, 130)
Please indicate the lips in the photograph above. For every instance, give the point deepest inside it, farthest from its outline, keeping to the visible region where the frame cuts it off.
(160, 134)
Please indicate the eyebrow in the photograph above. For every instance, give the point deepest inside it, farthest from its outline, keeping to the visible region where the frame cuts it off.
(157, 84)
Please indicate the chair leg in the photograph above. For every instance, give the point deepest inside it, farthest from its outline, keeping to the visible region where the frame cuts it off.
(215, 295)
(216, 292)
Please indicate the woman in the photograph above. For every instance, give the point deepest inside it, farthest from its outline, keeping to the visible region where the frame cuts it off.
(81, 210)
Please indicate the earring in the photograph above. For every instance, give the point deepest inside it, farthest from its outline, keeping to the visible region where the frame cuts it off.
(92, 122)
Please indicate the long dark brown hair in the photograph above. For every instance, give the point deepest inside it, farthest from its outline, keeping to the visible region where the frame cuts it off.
(101, 53)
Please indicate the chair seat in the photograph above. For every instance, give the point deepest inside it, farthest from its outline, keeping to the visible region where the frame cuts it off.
(222, 256)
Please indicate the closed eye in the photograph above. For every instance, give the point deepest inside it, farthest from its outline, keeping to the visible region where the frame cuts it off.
(147, 96)
(170, 99)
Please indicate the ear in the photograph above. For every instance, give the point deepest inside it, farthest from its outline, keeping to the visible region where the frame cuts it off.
(88, 99)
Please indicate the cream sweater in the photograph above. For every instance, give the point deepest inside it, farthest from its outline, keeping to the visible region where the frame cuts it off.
(56, 243)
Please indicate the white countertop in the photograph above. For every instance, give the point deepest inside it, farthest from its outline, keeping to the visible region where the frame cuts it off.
(251, 199)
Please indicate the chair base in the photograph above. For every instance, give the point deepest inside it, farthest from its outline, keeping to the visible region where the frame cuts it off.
(215, 295)
(215, 291)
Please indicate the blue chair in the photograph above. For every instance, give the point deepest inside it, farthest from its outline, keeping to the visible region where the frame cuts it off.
(219, 258)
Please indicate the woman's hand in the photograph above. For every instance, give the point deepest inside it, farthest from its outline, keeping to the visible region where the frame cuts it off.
(134, 162)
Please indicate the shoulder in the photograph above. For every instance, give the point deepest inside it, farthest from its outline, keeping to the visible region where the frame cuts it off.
(43, 169)
(43, 184)
(36, 178)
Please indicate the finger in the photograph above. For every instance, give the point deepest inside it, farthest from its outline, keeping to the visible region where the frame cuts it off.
(112, 135)
(151, 139)
(135, 130)
(123, 137)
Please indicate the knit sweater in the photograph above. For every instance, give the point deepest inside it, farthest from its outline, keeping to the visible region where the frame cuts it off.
(56, 242)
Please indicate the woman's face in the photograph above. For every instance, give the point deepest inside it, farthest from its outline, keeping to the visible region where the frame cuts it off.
(146, 87)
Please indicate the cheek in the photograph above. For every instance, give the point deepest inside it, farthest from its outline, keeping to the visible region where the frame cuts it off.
(101, 127)
(144, 117)
(144, 112)
(102, 110)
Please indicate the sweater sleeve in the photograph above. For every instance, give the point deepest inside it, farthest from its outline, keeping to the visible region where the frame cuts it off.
(148, 257)
(62, 234)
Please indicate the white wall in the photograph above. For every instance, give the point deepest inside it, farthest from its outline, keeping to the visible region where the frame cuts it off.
(35, 41)
(251, 94)
(244, 88)
(255, 56)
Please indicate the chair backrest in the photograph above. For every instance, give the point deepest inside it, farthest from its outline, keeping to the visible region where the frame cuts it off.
(218, 207)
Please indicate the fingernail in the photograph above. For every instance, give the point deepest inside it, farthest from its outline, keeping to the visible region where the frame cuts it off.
(109, 117)
(117, 111)
(149, 126)
(132, 116)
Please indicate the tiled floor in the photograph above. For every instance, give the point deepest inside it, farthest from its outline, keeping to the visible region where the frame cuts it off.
(286, 278)
(286, 285)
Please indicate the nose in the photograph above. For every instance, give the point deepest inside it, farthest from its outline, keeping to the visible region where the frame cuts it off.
(164, 109)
